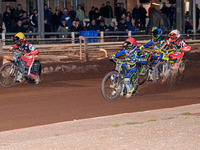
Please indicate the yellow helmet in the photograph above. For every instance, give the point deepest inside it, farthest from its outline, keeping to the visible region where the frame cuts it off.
(19, 38)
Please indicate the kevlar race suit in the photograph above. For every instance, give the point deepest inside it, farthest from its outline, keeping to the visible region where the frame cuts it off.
(26, 61)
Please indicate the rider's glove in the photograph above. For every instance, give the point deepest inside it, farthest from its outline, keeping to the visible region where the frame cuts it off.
(11, 48)
(141, 47)
(27, 54)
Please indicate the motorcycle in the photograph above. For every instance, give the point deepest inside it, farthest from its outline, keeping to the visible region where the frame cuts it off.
(11, 72)
(115, 82)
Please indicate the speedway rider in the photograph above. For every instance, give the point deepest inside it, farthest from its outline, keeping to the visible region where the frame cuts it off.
(131, 51)
(26, 61)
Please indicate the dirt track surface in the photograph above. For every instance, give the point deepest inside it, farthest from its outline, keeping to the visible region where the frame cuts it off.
(26, 105)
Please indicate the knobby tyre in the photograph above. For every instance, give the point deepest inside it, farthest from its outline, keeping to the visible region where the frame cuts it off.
(111, 86)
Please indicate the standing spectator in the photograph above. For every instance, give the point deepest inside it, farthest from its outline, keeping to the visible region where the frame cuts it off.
(25, 21)
(151, 9)
(47, 14)
(72, 13)
(122, 26)
(19, 12)
(102, 26)
(34, 21)
(101, 11)
(56, 20)
(92, 14)
(97, 16)
(93, 26)
(118, 12)
(63, 28)
(165, 9)
(67, 18)
(123, 10)
(197, 16)
(12, 9)
(83, 7)
(80, 14)
(19, 27)
(108, 13)
(47, 27)
(136, 14)
(7, 19)
(172, 16)
(142, 14)
(59, 11)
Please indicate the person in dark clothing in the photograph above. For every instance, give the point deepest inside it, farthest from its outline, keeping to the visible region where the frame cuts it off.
(7, 19)
(142, 15)
(1, 23)
(172, 16)
(92, 14)
(122, 26)
(34, 21)
(101, 11)
(151, 9)
(136, 14)
(25, 21)
(73, 27)
(12, 9)
(165, 9)
(19, 27)
(19, 12)
(111, 27)
(102, 26)
(56, 20)
(47, 27)
(72, 13)
(93, 26)
(97, 16)
(79, 25)
(47, 14)
(118, 12)
(197, 16)
(108, 13)
(66, 17)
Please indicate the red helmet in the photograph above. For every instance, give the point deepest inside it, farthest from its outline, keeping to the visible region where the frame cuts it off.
(174, 35)
(130, 44)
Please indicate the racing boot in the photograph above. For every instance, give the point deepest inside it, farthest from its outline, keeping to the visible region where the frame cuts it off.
(129, 89)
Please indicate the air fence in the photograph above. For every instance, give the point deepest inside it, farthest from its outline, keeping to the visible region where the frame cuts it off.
(81, 42)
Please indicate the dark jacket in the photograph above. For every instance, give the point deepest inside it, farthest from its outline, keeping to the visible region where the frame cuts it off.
(72, 14)
(93, 27)
(108, 12)
(135, 13)
(7, 18)
(34, 20)
(17, 29)
(122, 27)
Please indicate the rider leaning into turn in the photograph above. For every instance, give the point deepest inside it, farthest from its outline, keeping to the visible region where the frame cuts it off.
(131, 51)
(26, 61)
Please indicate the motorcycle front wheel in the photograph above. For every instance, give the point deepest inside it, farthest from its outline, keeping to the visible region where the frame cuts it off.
(111, 86)
(8, 75)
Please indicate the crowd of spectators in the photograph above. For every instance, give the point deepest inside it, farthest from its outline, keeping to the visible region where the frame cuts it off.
(100, 19)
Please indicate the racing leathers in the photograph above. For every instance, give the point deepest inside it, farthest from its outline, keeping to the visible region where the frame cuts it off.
(26, 61)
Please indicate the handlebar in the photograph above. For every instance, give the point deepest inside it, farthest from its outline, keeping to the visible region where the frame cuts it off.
(19, 54)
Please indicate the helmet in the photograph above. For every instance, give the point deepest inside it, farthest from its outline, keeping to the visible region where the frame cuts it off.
(174, 35)
(156, 33)
(130, 44)
(19, 38)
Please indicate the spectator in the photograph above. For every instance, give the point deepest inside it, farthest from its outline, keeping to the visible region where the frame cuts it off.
(34, 21)
(151, 9)
(93, 26)
(83, 7)
(25, 21)
(59, 11)
(72, 13)
(97, 16)
(111, 27)
(63, 28)
(123, 16)
(80, 14)
(118, 12)
(12, 9)
(19, 12)
(47, 27)
(19, 27)
(129, 15)
(123, 10)
(73, 27)
(47, 14)
(7, 19)
(67, 18)
(128, 22)
(142, 15)
(197, 16)
(188, 27)
(122, 26)
(165, 9)
(136, 14)
(79, 25)
(133, 26)
(1, 23)
(56, 20)
(92, 14)
(172, 16)
(108, 13)
(101, 11)
(102, 26)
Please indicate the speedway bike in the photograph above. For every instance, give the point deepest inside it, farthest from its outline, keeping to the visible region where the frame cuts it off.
(11, 73)
(115, 82)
